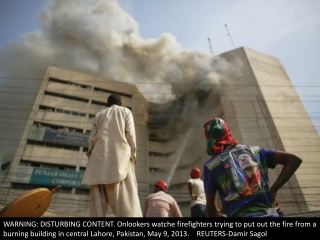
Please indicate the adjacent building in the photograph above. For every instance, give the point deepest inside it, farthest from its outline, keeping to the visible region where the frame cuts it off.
(258, 101)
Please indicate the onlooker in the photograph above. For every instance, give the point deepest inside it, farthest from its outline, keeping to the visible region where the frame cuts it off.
(161, 204)
(111, 157)
(197, 194)
(240, 174)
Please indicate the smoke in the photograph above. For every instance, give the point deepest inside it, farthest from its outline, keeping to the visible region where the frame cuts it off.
(99, 38)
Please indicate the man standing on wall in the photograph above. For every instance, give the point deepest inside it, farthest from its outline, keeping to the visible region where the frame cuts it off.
(111, 157)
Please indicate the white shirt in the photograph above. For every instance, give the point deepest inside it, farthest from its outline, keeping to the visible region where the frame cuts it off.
(113, 139)
(198, 190)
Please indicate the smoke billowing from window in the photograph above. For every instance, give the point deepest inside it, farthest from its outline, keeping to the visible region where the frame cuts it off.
(100, 38)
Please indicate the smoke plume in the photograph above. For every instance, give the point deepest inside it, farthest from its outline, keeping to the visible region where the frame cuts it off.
(99, 38)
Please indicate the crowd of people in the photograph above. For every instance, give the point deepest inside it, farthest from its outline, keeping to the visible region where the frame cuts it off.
(234, 181)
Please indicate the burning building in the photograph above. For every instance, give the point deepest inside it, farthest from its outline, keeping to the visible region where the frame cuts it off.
(254, 95)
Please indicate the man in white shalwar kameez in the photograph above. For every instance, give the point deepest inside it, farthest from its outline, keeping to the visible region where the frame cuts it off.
(111, 157)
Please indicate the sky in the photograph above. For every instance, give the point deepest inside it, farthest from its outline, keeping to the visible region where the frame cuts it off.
(286, 29)
(35, 33)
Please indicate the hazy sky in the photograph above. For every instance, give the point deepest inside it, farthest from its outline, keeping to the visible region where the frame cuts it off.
(286, 29)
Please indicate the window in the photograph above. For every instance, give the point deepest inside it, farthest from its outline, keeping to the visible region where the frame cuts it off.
(112, 92)
(69, 83)
(56, 127)
(4, 166)
(66, 96)
(52, 145)
(83, 191)
(47, 165)
(158, 154)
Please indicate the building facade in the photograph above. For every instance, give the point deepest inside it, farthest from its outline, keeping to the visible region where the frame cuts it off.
(263, 108)
(55, 140)
(257, 100)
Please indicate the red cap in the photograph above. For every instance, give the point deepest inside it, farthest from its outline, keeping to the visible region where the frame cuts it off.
(162, 185)
(195, 172)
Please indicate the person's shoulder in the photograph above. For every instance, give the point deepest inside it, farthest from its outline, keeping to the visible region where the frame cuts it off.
(169, 196)
(101, 112)
(211, 159)
(150, 195)
(124, 109)
(190, 180)
(251, 148)
(257, 149)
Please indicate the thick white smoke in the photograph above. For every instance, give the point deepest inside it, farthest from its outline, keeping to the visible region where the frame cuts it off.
(98, 37)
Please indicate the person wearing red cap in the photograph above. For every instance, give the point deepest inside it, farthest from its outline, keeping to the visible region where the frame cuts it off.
(160, 203)
(197, 195)
(239, 173)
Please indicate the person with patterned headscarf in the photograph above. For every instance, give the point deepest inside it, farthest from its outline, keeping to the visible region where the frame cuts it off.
(239, 173)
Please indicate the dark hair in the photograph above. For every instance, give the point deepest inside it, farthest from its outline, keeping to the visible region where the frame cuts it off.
(114, 99)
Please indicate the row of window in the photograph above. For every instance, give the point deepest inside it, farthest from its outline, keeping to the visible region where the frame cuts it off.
(75, 113)
(53, 145)
(48, 165)
(88, 87)
(158, 154)
(69, 83)
(59, 110)
(59, 127)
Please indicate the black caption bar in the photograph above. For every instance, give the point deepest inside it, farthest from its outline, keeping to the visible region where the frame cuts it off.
(163, 228)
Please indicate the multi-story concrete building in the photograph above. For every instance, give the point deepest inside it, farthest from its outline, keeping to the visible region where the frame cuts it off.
(263, 108)
(53, 146)
(257, 100)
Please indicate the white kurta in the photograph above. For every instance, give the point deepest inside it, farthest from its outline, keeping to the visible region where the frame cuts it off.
(113, 139)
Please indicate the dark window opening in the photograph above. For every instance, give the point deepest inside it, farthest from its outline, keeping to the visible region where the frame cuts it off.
(50, 109)
(69, 83)
(5, 166)
(112, 92)
(153, 169)
(157, 154)
(51, 145)
(59, 110)
(56, 127)
(65, 96)
(100, 103)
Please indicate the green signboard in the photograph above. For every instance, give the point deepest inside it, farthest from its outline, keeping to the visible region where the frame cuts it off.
(51, 177)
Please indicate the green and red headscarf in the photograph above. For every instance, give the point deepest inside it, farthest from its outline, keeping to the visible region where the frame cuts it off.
(218, 135)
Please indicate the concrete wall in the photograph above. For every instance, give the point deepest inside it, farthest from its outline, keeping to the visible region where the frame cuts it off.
(262, 108)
